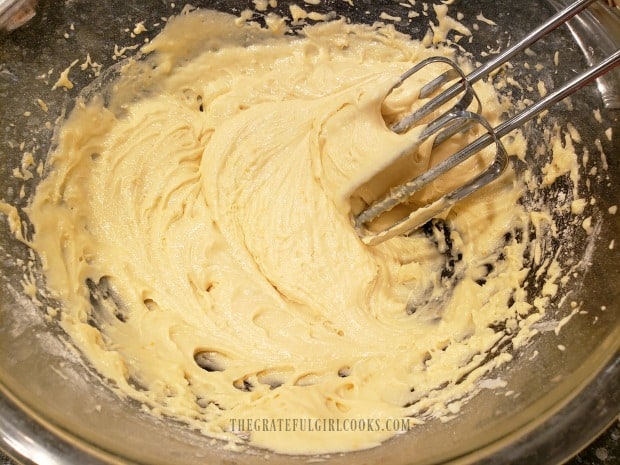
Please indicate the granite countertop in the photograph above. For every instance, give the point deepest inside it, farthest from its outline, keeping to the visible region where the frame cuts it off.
(605, 450)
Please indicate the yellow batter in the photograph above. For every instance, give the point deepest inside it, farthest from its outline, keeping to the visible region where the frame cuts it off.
(197, 231)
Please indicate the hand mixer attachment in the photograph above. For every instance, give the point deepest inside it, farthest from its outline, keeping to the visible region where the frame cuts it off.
(457, 119)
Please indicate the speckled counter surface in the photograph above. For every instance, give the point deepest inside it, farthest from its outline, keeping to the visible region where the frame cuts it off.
(605, 450)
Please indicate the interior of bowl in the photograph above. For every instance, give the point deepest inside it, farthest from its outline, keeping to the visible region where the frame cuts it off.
(46, 380)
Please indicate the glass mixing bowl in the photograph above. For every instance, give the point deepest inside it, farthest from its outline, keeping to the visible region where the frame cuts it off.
(54, 409)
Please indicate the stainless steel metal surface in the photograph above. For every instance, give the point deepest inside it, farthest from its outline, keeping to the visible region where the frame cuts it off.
(54, 409)
(458, 118)
(597, 22)
(16, 13)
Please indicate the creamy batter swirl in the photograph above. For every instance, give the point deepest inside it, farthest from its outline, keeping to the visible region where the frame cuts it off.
(196, 228)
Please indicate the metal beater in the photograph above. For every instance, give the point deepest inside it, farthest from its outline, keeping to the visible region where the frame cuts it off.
(457, 119)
